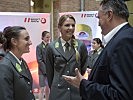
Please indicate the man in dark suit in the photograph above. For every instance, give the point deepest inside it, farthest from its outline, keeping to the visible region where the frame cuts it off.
(111, 77)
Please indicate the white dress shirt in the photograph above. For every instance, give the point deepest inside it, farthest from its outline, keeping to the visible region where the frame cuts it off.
(108, 37)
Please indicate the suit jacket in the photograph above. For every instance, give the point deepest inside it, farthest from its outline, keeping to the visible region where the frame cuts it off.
(111, 77)
(15, 80)
(58, 64)
(41, 57)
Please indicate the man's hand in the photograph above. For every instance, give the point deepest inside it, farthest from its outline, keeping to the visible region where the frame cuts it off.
(75, 81)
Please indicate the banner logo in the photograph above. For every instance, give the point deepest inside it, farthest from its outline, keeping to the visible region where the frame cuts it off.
(35, 20)
(88, 15)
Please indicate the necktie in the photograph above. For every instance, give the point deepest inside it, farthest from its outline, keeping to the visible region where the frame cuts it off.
(67, 53)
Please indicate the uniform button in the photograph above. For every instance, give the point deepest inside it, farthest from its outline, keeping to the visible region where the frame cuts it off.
(30, 91)
(28, 82)
(58, 84)
(67, 71)
(67, 63)
(68, 88)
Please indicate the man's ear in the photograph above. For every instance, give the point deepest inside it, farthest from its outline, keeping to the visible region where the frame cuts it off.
(110, 14)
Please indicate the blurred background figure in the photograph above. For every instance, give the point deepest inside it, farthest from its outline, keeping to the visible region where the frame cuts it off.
(41, 57)
(2, 40)
(97, 48)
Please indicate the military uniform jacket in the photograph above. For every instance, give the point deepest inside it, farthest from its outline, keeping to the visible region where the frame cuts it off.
(15, 81)
(93, 57)
(58, 64)
(41, 57)
(111, 77)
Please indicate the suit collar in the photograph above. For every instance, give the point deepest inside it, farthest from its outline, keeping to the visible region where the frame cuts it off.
(108, 37)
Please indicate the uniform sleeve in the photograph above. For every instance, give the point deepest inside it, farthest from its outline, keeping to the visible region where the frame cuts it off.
(49, 65)
(84, 58)
(40, 60)
(6, 83)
